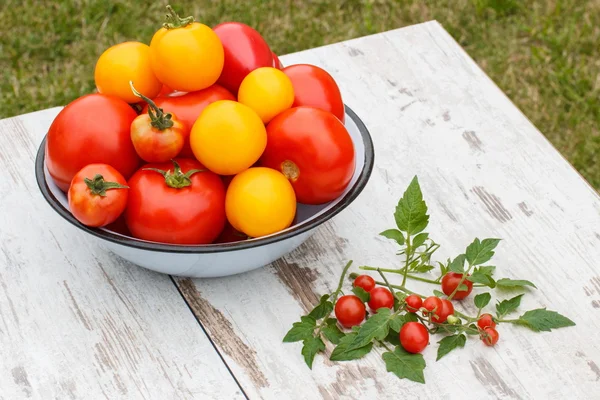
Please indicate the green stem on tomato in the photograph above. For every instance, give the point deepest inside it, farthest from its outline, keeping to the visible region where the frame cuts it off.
(387, 283)
(335, 294)
(385, 346)
(174, 21)
(509, 321)
(462, 279)
(408, 256)
(158, 118)
(400, 271)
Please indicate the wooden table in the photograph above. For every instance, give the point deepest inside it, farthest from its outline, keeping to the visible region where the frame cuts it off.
(79, 323)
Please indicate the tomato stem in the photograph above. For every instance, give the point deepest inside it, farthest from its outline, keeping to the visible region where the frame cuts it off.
(335, 294)
(176, 179)
(98, 186)
(158, 118)
(400, 271)
(174, 21)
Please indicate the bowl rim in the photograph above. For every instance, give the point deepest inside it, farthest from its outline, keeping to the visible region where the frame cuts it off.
(288, 233)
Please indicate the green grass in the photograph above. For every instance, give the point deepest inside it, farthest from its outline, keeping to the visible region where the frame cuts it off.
(542, 53)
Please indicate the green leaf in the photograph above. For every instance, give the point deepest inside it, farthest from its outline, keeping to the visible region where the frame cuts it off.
(423, 268)
(411, 317)
(397, 322)
(507, 306)
(393, 337)
(458, 264)
(341, 352)
(462, 287)
(486, 270)
(544, 320)
(513, 283)
(394, 234)
(419, 239)
(473, 330)
(480, 252)
(411, 211)
(437, 293)
(482, 300)
(321, 310)
(361, 293)
(332, 333)
(404, 364)
(478, 277)
(301, 330)
(312, 345)
(450, 343)
(376, 327)
(443, 268)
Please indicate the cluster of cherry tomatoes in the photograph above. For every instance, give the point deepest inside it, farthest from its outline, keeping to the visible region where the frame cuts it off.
(200, 137)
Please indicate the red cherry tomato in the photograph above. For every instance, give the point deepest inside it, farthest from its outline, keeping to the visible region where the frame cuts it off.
(187, 107)
(314, 87)
(433, 305)
(490, 336)
(313, 149)
(183, 207)
(450, 282)
(414, 337)
(97, 195)
(413, 303)
(276, 62)
(350, 311)
(94, 129)
(245, 51)
(446, 310)
(365, 282)
(380, 297)
(486, 321)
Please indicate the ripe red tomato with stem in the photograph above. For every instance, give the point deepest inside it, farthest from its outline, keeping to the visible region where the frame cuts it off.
(450, 282)
(486, 321)
(93, 129)
(490, 336)
(350, 311)
(413, 303)
(364, 281)
(414, 337)
(313, 149)
(178, 203)
(433, 305)
(97, 195)
(445, 311)
(380, 297)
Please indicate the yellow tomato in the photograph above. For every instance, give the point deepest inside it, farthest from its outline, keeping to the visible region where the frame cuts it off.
(228, 137)
(185, 55)
(124, 62)
(260, 201)
(268, 91)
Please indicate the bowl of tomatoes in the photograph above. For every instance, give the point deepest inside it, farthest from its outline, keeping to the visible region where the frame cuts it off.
(214, 164)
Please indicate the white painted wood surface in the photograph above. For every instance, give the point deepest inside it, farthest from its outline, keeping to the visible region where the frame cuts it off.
(76, 322)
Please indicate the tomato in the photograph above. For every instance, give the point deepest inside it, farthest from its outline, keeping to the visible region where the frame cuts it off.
(186, 55)
(314, 87)
(413, 303)
(164, 91)
(230, 234)
(450, 282)
(445, 311)
(91, 129)
(433, 305)
(245, 50)
(268, 91)
(276, 62)
(490, 336)
(97, 195)
(350, 311)
(260, 201)
(156, 136)
(124, 62)
(228, 137)
(177, 203)
(414, 337)
(486, 321)
(314, 151)
(365, 282)
(380, 297)
(188, 107)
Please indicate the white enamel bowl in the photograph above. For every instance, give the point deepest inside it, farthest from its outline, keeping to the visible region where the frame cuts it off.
(216, 260)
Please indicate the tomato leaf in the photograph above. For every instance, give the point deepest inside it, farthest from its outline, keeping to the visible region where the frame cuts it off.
(513, 283)
(458, 264)
(437, 293)
(450, 343)
(361, 293)
(397, 322)
(443, 268)
(478, 277)
(486, 270)
(419, 239)
(482, 300)
(462, 287)
(393, 337)
(423, 268)
(544, 320)
(376, 327)
(332, 333)
(411, 211)
(312, 345)
(479, 252)
(507, 306)
(394, 234)
(323, 309)
(301, 330)
(404, 364)
(342, 353)
(410, 317)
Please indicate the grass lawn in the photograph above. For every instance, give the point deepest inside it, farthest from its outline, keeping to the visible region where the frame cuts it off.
(543, 53)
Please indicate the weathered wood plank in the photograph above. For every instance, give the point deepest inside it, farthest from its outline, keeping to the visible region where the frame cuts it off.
(76, 322)
(486, 171)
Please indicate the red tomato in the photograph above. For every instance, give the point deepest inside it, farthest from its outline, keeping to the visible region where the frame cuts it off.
(350, 311)
(230, 234)
(414, 337)
(97, 195)
(380, 297)
(433, 304)
(183, 207)
(165, 91)
(442, 315)
(413, 303)
(187, 107)
(245, 50)
(450, 282)
(276, 62)
(94, 129)
(314, 87)
(490, 336)
(313, 149)
(365, 282)
(486, 321)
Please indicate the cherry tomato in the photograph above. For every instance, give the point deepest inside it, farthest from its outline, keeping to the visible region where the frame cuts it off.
(314, 151)
(380, 297)
(276, 62)
(97, 195)
(414, 337)
(445, 311)
(433, 305)
(365, 282)
(178, 203)
(314, 87)
(124, 62)
(186, 55)
(92, 129)
(350, 311)
(260, 201)
(245, 50)
(413, 303)
(490, 336)
(164, 91)
(188, 107)
(228, 137)
(486, 321)
(450, 282)
(268, 91)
